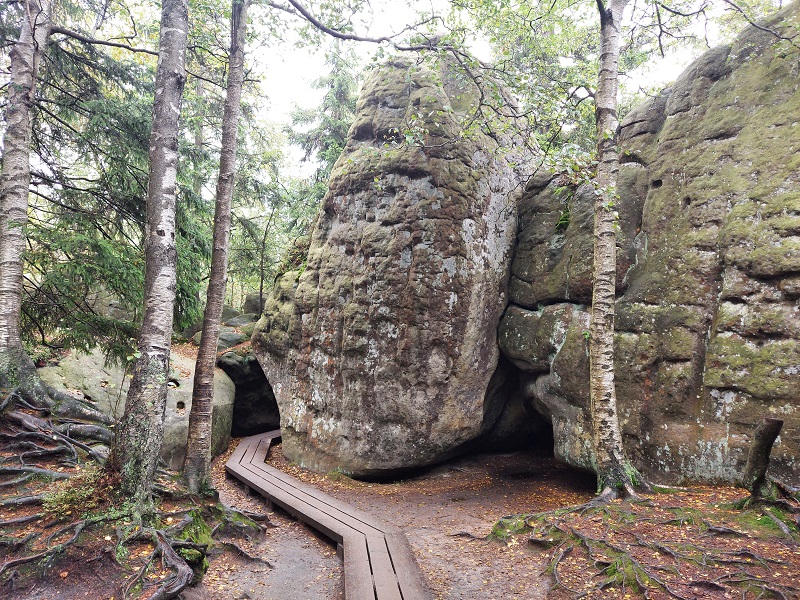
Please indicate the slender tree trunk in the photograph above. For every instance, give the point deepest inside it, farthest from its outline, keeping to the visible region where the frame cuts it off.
(262, 266)
(614, 471)
(198, 452)
(17, 371)
(755, 473)
(141, 430)
(199, 140)
(15, 366)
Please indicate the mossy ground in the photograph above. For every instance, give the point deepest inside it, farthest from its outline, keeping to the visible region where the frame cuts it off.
(683, 544)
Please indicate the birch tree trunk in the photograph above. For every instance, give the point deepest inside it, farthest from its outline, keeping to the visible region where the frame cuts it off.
(615, 474)
(15, 366)
(141, 431)
(198, 452)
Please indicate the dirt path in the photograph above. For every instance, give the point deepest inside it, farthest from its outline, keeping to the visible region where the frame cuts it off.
(445, 513)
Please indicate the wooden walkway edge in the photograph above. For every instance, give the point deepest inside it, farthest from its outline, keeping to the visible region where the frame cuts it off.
(378, 561)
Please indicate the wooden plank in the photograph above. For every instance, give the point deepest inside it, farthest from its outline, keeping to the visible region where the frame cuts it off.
(355, 515)
(409, 575)
(327, 524)
(299, 499)
(386, 587)
(312, 497)
(259, 457)
(247, 457)
(376, 565)
(358, 583)
(246, 447)
(236, 456)
(256, 460)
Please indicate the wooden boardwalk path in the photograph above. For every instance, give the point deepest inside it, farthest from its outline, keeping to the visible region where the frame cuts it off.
(378, 561)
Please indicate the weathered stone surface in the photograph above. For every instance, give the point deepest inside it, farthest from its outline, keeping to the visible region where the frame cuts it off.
(254, 407)
(381, 350)
(228, 338)
(240, 320)
(553, 261)
(88, 377)
(252, 304)
(708, 322)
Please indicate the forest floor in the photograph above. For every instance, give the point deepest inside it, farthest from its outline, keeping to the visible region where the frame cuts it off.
(683, 544)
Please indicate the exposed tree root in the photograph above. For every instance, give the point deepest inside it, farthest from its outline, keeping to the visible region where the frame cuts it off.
(177, 545)
(21, 520)
(16, 543)
(246, 554)
(173, 584)
(21, 501)
(18, 376)
(15, 482)
(30, 427)
(33, 471)
(47, 555)
(40, 425)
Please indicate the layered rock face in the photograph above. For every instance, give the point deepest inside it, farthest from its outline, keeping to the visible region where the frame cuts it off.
(708, 278)
(381, 351)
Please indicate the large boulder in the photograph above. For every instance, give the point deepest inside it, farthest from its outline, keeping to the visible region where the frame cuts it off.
(87, 376)
(708, 324)
(381, 350)
(252, 303)
(228, 338)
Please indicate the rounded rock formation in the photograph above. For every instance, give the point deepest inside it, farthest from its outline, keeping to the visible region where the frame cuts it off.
(381, 350)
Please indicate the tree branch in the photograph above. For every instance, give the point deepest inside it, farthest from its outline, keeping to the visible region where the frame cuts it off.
(742, 12)
(301, 11)
(88, 40)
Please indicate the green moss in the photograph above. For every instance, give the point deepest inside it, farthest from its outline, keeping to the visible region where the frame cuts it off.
(760, 525)
(760, 369)
(197, 532)
(508, 526)
(679, 344)
(339, 474)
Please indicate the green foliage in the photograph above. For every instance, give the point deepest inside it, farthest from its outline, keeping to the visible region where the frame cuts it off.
(563, 219)
(89, 492)
(275, 212)
(84, 266)
(321, 132)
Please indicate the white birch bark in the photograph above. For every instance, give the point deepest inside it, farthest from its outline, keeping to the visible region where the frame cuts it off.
(16, 177)
(614, 471)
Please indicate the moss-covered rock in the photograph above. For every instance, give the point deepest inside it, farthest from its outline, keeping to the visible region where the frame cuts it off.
(708, 320)
(381, 351)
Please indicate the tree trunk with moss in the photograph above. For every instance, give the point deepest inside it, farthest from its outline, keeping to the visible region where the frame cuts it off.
(755, 476)
(198, 453)
(141, 431)
(615, 473)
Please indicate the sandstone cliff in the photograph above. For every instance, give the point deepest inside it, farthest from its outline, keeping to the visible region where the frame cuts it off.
(708, 276)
